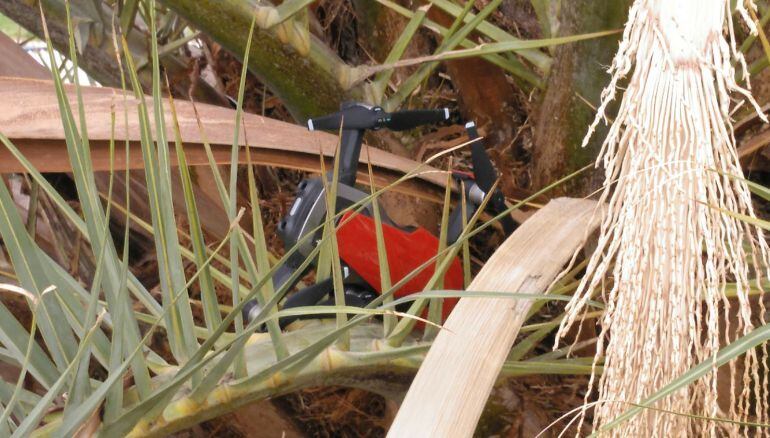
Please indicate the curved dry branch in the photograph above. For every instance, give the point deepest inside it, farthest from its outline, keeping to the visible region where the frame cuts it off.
(29, 116)
(451, 388)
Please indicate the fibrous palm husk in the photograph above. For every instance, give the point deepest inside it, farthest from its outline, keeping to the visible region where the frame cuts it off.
(668, 246)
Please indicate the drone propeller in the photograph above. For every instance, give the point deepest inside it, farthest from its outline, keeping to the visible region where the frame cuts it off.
(409, 119)
(483, 170)
(359, 116)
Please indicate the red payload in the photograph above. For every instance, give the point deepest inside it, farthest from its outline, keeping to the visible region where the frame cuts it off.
(406, 252)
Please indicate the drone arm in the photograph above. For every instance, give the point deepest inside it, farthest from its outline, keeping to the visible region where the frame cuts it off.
(350, 152)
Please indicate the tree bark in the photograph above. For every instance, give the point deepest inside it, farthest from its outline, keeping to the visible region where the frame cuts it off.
(578, 75)
(486, 97)
(308, 85)
(375, 27)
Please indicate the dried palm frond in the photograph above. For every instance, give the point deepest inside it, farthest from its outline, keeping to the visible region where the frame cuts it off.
(668, 242)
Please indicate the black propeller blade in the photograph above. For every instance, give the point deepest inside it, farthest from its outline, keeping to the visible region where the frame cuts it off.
(311, 295)
(359, 116)
(483, 169)
(356, 116)
(410, 119)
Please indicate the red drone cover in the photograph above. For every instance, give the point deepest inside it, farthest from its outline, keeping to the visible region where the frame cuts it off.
(406, 251)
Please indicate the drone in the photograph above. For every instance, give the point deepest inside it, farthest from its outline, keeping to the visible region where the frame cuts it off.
(407, 248)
